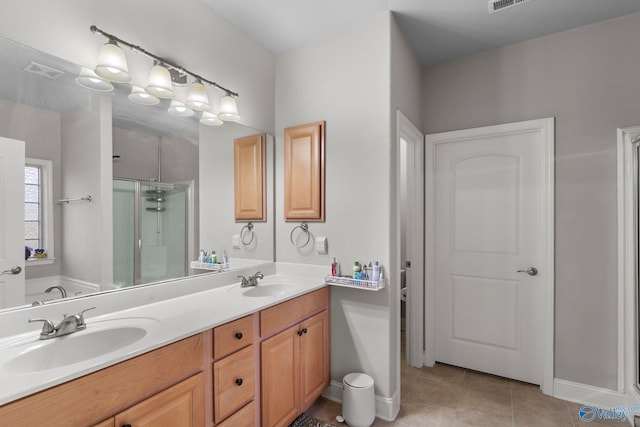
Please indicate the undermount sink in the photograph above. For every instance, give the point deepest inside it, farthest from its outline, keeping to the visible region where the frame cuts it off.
(99, 339)
(265, 289)
(269, 290)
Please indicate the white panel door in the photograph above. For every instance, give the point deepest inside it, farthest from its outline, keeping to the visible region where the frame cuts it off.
(11, 222)
(489, 223)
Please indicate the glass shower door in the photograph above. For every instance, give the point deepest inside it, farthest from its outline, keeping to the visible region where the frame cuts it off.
(163, 232)
(124, 233)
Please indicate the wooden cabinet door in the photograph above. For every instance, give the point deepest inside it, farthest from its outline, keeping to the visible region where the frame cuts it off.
(280, 378)
(304, 172)
(111, 422)
(249, 173)
(314, 358)
(181, 405)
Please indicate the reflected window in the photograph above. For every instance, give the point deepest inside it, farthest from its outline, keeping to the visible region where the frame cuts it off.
(38, 207)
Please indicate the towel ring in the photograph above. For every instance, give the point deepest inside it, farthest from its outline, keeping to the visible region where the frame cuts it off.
(243, 232)
(305, 228)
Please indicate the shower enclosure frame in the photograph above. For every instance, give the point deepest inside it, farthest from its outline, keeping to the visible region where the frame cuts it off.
(137, 226)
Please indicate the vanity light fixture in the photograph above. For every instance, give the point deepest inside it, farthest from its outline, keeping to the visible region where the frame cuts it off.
(210, 119)
(112, 67)
(89, 79)
(160, 82)
(197, 97)
(112, 64)
(177, 108)
(140, 96)
(228, 109)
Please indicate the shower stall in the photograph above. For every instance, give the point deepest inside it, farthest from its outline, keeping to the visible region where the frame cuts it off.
(150, 238)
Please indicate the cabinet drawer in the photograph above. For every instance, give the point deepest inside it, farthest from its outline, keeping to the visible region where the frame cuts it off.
(233, 382)
(245, 417)
(289, 312)
(232, 336)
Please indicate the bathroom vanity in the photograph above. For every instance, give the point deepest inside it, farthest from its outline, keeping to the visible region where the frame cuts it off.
(260, 362)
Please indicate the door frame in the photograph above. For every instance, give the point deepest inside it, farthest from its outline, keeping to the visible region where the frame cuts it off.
(416, 241)
(546, 128)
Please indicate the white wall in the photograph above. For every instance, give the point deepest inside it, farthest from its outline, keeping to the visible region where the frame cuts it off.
(40, 129)
(217, 213)
(588, 78)
(344, 79)
(187, 32)
(87, 246)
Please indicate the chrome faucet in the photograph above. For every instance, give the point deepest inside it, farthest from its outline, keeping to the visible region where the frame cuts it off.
(68, 325)
(62, 290)
(251, 281)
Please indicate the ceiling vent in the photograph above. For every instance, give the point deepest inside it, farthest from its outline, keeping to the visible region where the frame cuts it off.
(498, 5)
(43, 70)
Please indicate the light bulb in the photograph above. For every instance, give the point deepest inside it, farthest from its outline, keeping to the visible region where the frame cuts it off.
(112, 64)
(160, 82)
(210, 119)
(228, 109)
(139, 96)
(197, 97)
(91, 80)
(177, 108)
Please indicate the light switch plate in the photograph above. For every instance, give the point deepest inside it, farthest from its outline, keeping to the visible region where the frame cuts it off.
(235, 241)
(321, 245)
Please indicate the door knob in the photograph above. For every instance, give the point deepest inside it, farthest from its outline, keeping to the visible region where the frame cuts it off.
(14, 270)
(531, 271)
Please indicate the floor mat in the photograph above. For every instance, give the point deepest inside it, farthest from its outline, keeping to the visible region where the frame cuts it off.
(305, 420)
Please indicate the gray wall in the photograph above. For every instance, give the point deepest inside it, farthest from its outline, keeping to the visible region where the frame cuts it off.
(589, 79)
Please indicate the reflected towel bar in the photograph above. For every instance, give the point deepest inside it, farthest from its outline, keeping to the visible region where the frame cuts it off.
(77, 199)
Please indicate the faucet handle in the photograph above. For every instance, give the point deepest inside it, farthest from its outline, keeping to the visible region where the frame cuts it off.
(80, 316)
(244, 282)
(48, 327)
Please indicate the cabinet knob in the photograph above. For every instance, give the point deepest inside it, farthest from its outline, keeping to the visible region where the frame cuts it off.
(299, 333)
(304, 331)
(239, 335)
(126, 425)
(239, 382)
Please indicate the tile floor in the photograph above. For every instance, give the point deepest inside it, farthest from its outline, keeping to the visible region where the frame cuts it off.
(447, 396)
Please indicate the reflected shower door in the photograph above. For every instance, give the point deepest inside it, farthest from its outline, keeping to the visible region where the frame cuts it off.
(124, 233)
(163, 232)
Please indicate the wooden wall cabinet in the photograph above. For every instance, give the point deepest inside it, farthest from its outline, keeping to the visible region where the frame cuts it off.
(304, 171)
(250, 177)
(295, 361)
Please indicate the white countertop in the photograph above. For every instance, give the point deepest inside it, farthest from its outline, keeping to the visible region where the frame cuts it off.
(172, 320)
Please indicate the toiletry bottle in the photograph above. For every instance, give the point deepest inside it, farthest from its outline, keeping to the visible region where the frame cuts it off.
(356, 269)
(214, 257)
(334, 271)
(201, 256)
(375, 275)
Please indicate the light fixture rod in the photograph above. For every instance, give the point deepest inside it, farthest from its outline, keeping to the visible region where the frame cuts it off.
(161, 60)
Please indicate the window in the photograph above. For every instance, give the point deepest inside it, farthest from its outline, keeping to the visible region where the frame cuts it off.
(38, 209)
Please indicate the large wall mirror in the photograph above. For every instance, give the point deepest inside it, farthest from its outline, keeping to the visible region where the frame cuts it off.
(161, 187)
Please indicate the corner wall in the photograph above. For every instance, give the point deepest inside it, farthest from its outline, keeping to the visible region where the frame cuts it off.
(588, 79)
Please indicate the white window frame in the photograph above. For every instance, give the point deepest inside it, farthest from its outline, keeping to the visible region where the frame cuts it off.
(46, 206)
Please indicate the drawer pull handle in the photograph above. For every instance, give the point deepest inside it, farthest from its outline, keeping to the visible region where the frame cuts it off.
(239, 382)
(239, 335)
(126, 425)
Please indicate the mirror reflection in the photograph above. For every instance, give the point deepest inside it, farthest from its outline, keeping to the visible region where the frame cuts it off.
(117, 194)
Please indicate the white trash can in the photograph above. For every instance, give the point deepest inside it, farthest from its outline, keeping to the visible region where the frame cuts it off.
(358, 401)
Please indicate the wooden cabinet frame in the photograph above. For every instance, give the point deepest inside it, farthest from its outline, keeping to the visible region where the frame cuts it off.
(304, 172)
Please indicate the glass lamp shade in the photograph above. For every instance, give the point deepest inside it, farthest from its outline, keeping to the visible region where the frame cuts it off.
(112, 64)
(91, 80)
(210, 119)
(160, 82)
(177, 108)
(197, 97)
(228, 109)
(139, 96)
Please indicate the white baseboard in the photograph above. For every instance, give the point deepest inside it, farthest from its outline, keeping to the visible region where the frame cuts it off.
(589, 395)
(387, 408)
